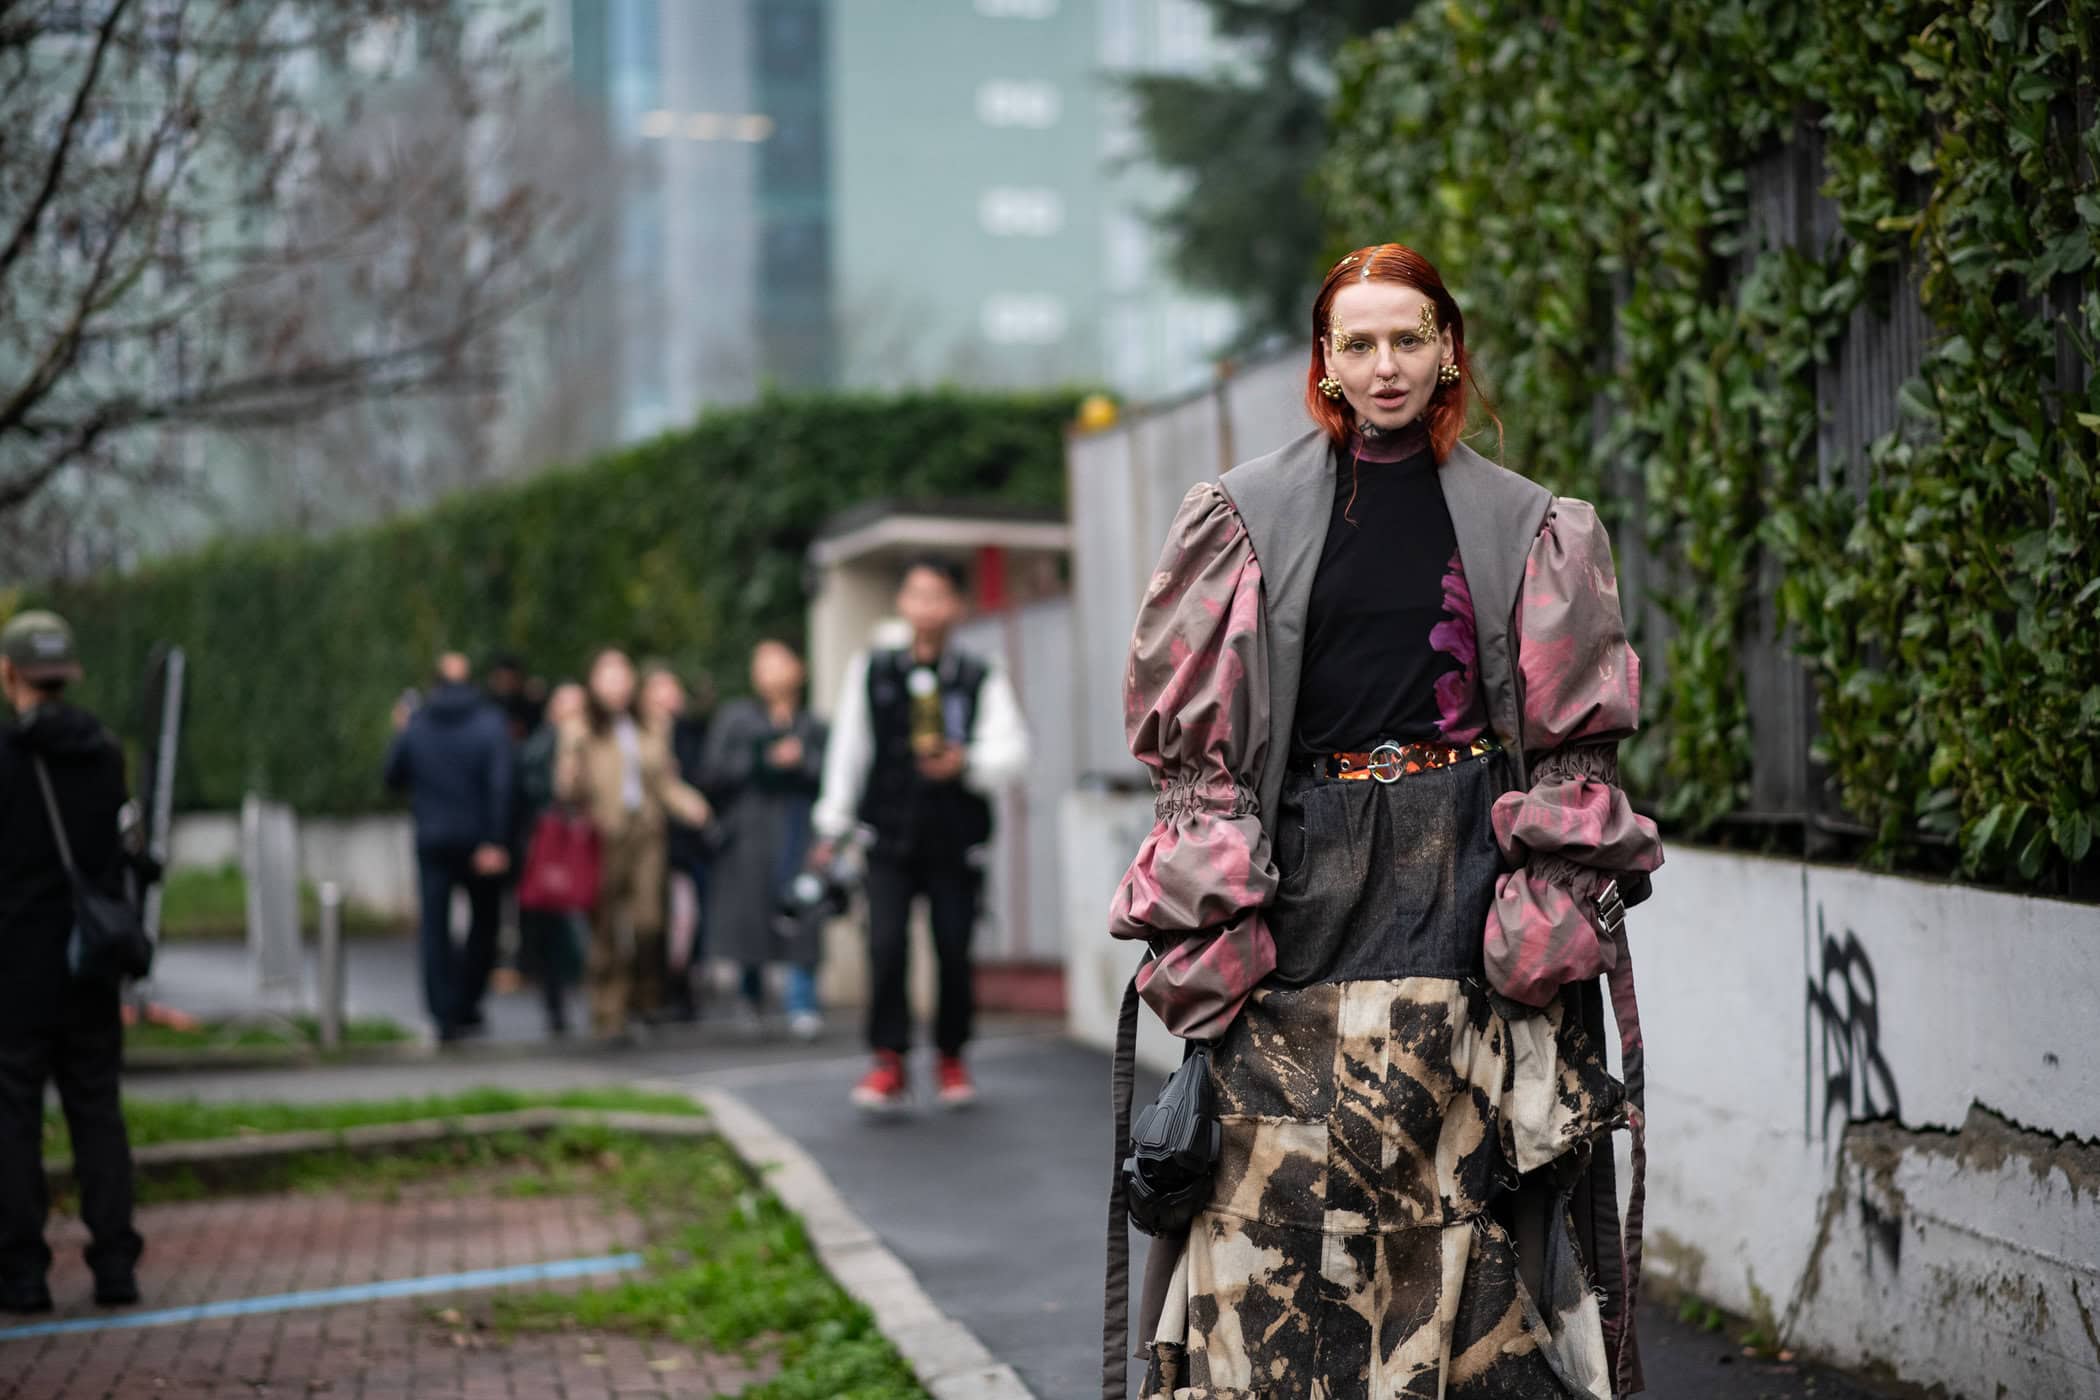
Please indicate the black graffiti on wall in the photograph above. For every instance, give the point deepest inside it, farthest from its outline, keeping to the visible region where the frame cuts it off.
(1846, 1076)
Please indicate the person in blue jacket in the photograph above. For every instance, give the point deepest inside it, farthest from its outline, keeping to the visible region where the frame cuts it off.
(452, 756)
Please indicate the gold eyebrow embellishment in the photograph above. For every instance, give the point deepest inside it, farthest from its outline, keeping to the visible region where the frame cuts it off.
(1426, 328)
(1339, 338)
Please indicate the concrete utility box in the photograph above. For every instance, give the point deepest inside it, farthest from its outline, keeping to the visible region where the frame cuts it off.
(1016, 560)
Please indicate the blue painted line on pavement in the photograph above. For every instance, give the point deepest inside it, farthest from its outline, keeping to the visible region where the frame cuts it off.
(335, 1297)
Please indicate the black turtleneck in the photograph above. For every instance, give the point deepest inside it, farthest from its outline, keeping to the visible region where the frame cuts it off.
(1389, 649)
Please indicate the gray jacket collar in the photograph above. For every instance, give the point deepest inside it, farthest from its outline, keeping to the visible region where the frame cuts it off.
(1286, 500)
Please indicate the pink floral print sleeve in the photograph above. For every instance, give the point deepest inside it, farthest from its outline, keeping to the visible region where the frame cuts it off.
(1194, 699)
(1572, 830)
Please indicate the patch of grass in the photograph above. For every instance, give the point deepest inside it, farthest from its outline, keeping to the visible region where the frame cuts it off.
(382, 1175)
(184, 1120)
(199, 902)
(295, 1030)
(1697, 1312)
(1762, 1336)
(731, 1270)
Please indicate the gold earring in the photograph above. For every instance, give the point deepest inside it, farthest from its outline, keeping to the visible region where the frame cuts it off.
(1331, 387)
(1447, 374)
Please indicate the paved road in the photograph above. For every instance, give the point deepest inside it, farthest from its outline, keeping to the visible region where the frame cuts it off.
(213, 978)
(999, 1211)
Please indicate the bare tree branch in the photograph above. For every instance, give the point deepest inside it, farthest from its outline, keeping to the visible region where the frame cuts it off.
(260, 214)
(55, 169)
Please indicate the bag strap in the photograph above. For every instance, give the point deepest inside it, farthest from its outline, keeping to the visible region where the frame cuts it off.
(58, 825)
(1633, 1070)
(1115, 1319)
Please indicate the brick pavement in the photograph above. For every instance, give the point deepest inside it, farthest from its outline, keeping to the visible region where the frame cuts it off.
(251, 1246)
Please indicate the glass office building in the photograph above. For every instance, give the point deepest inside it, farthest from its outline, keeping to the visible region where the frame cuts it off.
(884, 193)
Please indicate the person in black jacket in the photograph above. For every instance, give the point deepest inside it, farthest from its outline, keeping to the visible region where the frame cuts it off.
(452, 755)
(54, 1026)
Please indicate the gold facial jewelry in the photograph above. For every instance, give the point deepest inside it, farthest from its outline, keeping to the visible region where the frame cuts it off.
(1339, 338)
(1447, 373)
(1331, 387)
(1426, 327)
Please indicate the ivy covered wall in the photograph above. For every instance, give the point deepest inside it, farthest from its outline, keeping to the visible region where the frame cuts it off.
(1589, 177)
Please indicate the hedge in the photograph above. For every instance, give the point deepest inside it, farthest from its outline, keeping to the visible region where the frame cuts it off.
(1578, 171)
(690, 547)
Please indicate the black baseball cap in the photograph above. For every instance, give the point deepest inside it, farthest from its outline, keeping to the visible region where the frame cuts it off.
(40, 646)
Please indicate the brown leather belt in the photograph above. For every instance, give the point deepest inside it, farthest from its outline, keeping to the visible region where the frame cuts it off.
(1390, 762)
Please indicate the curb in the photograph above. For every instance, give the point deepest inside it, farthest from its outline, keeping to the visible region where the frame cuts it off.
(946, 1356)
(377, 1137)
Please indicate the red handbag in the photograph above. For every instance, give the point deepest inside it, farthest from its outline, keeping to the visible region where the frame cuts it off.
(562, 865)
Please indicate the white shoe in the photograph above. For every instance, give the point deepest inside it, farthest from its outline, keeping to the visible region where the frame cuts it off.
(806, 1026)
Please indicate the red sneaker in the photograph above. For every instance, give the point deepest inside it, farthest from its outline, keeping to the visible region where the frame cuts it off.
(883, 1089)
(957, 1089)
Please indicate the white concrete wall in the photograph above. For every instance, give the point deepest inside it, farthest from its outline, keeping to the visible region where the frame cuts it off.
(372, 858)
(1874, 1103)
(1782, 1002)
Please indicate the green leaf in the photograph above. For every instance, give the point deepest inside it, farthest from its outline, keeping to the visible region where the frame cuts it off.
(2033, 853)
(2077, 836)
(1984, 836)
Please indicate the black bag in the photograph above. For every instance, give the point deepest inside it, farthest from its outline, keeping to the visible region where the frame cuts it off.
(1161, 1177)
(1174, 1150)
(109, 942)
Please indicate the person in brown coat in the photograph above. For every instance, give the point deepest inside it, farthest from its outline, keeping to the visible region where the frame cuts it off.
(623, 777)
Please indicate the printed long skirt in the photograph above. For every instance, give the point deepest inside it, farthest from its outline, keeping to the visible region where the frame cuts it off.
(1391, 1214)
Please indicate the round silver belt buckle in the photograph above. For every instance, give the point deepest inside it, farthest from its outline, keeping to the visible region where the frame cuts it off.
(1385, 763)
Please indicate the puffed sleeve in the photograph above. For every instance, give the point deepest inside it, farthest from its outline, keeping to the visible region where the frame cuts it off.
(1572, 829)
(1195, 701)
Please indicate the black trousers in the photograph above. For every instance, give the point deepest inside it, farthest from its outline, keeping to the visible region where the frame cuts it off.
(84, 1055)
(951, 885)
(455, 981)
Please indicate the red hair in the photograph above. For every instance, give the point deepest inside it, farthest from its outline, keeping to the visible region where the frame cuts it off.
(1394, 262)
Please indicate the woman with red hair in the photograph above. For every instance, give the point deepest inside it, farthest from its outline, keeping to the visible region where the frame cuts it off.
(1380, 682)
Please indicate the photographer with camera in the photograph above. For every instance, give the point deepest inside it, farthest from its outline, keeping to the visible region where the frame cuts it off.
(923, 738)
(63, 895)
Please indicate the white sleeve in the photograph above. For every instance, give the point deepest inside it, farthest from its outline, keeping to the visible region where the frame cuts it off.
(998, 749)
(847, 756)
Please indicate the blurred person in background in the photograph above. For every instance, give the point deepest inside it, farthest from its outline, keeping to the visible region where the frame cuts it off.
(765, 762)
(550, 944)
(923, 737)
(505, 682)
(452, 755)
(624, 778)
(53, 1025)
(681, 722)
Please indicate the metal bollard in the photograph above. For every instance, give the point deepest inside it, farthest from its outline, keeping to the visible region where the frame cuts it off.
(331, 969)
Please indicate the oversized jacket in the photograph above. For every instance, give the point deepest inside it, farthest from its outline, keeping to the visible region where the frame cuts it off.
(1211, 699)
